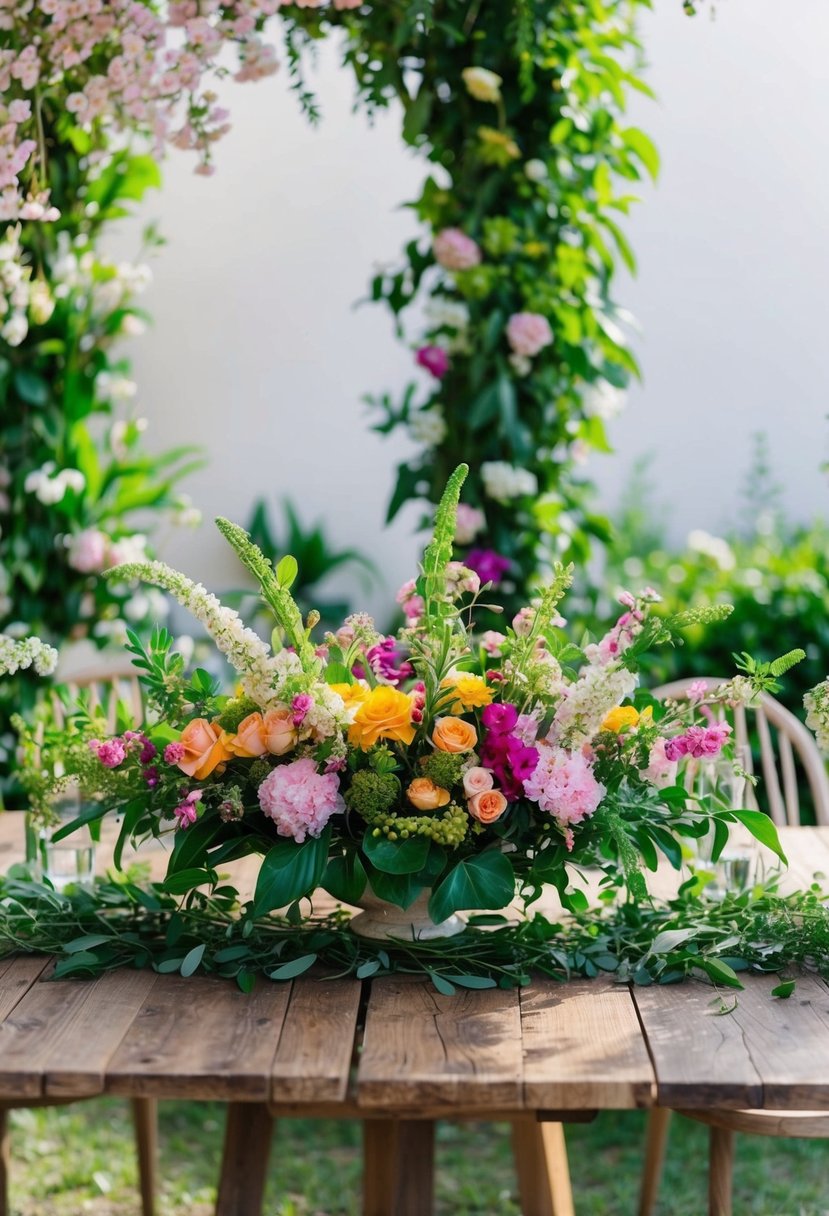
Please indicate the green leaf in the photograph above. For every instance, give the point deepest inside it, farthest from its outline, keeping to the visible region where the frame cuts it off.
(784, 990)
(471, 981)
(398, 889)
(295, 967)
(643, 147)
(190, 962)
(762, 829)
(89, 942)
(345, 877)
(289, 871)
(669, 940)
(485, 881)
(185, 880)
(443, 986)
(192, 844)
(718, 971)
(396, 856)
(286, 571)
(31, 387)
(95, 811)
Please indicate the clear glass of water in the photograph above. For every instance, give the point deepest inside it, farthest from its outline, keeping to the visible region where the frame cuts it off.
(71, 860)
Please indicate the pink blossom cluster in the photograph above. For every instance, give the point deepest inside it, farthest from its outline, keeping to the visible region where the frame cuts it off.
(411, 603)
(563, 784)
(616, 641)
(698, 741)
(187, 811)
(528, 333)
(504, 752)
(113, 752)
(454, 250)
(121, 63)
(300, 800)
(387, 662)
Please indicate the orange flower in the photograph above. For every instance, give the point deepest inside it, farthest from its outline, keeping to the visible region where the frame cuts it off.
(385, 714)
(487, 806)
(280, 732)
(471, 692)
(249, 740)
(203, 748)
(454, 735)
(425, 795)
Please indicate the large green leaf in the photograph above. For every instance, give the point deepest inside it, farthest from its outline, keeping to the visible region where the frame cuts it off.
(345, 878)
(485, 881)
(762, 829)
(396, 856)
(190, 848)
(289, 871)
(398, 889)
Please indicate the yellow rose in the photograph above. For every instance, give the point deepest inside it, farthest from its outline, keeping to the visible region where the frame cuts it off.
(353, 695)
(425, 795)
(384, 714)
(625, 717)
(471, 692)
(454, 735)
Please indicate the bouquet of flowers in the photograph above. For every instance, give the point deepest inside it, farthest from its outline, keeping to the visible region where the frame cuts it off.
(467, 767)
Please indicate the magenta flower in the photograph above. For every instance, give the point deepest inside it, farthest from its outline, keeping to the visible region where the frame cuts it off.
(387, 662)
(434, 359)
(111, 752)
(300, 707)
(488, 565)
(499, 718)
(187, 810)
(173, 752)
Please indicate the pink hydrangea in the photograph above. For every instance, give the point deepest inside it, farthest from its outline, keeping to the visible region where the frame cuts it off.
(563, 785)
(454, 250)
(434, 359)
(528, 333)
(300, 800)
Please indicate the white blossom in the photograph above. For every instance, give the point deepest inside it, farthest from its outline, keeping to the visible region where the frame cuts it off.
(503, 481)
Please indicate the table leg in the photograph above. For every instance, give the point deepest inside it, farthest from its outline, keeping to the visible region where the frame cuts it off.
(399, 1167)
(248, 1132)
(5, 1154)
(541, 1164)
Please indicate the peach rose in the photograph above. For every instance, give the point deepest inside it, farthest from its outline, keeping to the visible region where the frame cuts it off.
(280, 732)
(249, 740)
(488, 806)
(203, 748)
(477, 781)
(425, 795)
(454, 735)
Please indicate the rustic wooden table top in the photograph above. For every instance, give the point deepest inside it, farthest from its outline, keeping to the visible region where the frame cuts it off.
(396, 1045)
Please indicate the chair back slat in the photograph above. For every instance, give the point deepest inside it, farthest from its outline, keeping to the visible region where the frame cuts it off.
(771, 780)
(796, 748)
(104, 690)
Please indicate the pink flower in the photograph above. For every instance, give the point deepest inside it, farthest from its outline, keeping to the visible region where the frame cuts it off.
(300, 800)
(111, 752)
(698, 741)
(300, 706)
(492, 641)
(697, 690)
(411, 603)
(173, 752)
(434, 359)
(187, 810)
(469, 522)
(563, 785)
(88, 551)
(454, 250)
(477, 780)
(528, 333)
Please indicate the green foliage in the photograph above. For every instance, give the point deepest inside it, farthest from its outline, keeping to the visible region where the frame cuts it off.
(443, 768)
(372, 794)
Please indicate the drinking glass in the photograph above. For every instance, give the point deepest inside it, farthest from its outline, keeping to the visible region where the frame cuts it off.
(69, 861)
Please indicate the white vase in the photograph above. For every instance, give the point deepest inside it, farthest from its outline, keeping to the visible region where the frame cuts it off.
(382, 920)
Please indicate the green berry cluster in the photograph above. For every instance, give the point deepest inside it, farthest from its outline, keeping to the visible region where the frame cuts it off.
(447, 827)
(235, 711)
(372, 794)
(443, 768)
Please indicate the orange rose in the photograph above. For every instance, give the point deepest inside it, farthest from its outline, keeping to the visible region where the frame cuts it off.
(488, 806)
(249, 740)
(425, 795)
(203, 748)
(385, 714)
(280, 732)
(454, 735)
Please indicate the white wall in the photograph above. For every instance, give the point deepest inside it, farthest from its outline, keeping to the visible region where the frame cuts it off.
(257, 354)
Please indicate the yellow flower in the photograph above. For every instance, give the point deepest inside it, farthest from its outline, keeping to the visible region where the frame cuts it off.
(482, 84)
(471, 692)
(352, 694)
(625, 717)
(384, 714)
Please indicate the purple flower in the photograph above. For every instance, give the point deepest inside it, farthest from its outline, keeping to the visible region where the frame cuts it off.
(150, 775)
(499, 718)
(300, 706)
(488, 565)
(434, 359)
(387, 662)
(148, 751)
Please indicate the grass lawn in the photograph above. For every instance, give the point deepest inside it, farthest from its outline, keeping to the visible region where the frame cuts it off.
(79, 1159)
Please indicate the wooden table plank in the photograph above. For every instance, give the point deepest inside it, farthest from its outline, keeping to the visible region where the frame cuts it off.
(766, 1053)
(421, 1049)
(583, 1047)
(313, 1059)
(17, 975)
(201, 1038)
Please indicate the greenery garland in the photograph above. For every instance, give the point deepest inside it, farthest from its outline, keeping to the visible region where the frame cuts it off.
(125, 922)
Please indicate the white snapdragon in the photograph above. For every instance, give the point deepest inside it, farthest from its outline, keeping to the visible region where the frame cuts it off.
(816, 703)
(429, 426)
(19, 654)
(503, 481)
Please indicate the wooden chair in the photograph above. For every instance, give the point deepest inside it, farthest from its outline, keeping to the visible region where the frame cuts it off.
(105, 688)
(785, 746)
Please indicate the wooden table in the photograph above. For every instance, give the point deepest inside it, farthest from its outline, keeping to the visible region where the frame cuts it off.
(398, 1055)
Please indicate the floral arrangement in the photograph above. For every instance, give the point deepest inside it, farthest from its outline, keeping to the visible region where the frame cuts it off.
(434, 760)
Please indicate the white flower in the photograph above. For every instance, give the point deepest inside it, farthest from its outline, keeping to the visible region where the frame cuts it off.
(446, 314)
(15, 329)
(17, 655)
(536, 170)
(503, 481)
(816, 703)
(482, 84)
(714, 547)
(133, 326)
(184, 645)
(114, 388)
(521, 365)
(128, 549)
(602, 400)
(429, 426)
